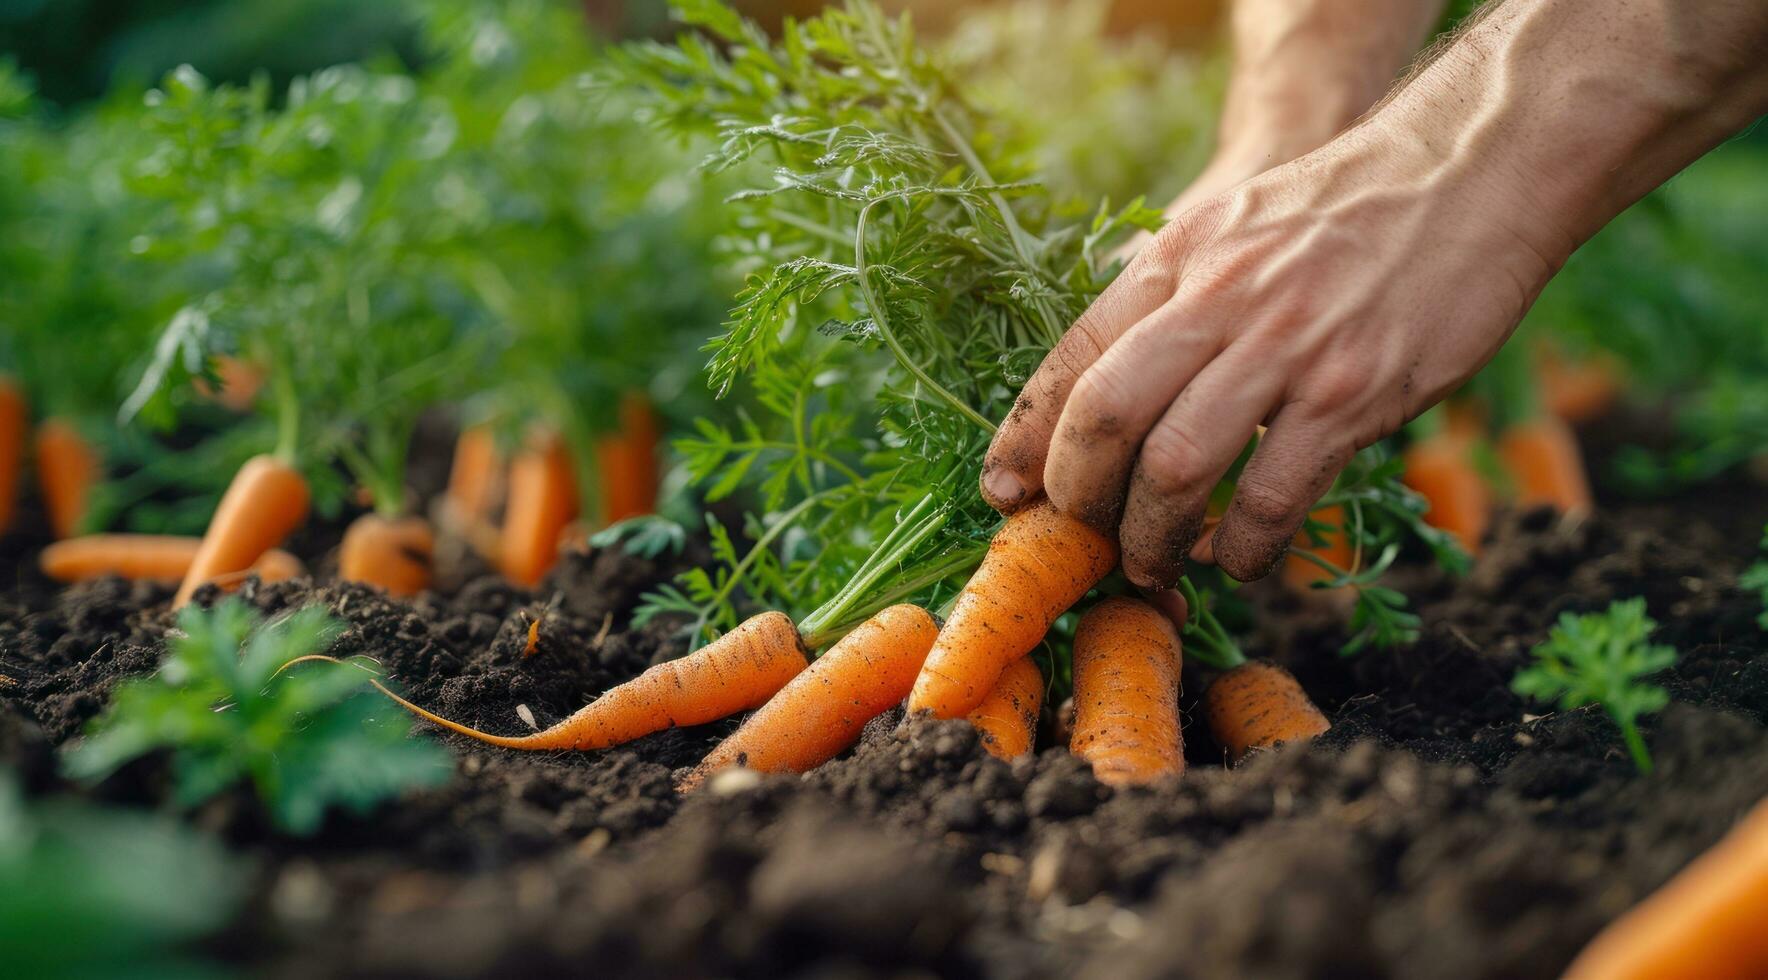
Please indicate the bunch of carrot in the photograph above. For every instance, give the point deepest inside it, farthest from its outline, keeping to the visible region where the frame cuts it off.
(977, 666)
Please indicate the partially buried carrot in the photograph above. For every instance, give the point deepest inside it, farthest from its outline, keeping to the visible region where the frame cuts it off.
(238, 382)
(1300, 573)
(1542, 457)
(1007, 718)
(1126, 693)
(1259, 705)
(740, 670)
(1707, 923)
(542, 500)
(393, 553)
(13, 422)
(1040, 562)
(1440, 469)
(67, 469)
(822, 710)
(473, 479)
(628, 462)
(1578, 389)
(150, 557)
(265, 502)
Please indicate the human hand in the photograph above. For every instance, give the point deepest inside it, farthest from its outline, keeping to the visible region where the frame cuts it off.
(1332, 299)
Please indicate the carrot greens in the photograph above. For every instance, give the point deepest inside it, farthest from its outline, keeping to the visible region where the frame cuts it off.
(1603, 658)
(306, 739)
(907, 270)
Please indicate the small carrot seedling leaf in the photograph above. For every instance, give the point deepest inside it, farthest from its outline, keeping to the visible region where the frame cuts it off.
(84, 891)
(1602, 658)
(307, 739)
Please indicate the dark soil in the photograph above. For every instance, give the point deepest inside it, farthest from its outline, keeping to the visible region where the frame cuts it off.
(1444, 828)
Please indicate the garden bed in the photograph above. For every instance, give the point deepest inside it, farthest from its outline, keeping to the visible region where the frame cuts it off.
(1442, 829)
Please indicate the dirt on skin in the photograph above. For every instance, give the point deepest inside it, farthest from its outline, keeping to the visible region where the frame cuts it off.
(1443, 829)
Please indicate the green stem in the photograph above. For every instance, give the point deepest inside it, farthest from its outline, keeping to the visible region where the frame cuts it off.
(288, 417)
(897, 546)
(879, 318)
(1208, 638)
(1636, 746)
(741, 568)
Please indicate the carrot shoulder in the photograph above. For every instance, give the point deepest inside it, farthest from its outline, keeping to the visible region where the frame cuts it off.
(1126, 693)
(1260, 705)
(67, 468)
(394, 554)
(1707, 922)
(1007, 718)
(13, 422)
(1040, 563)
(1543, 458)
(739, 671)
(542, 500)
(822, 710)
(149, 557)
(265, 502)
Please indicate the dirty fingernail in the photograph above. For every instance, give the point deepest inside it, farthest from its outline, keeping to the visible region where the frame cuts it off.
(1002, 487)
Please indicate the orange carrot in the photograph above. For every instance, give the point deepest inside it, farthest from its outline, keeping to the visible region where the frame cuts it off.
(473, 479)
(1040, 562)
(740, 670)
(1577, 390)
(533, 644)
(628, 462)
(265, 502)
(13, 421)
(1007, 717)
(277, 565)
(1126, 693)
(153, 557)
(542, 500)
(1542, 456)
(67, 468)
(1440, 469)
(1706, 923)
(1301, 574)
(820, 713)
(1259, 705)
(392, 553)
(239, 381)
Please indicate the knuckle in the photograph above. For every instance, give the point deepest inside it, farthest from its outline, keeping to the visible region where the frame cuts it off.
(1335, 386)
(1172, 460)
(1099, 405)
(1265, 505)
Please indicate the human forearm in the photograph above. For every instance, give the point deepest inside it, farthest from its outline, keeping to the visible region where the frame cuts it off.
(1568, 111)
(1305, 69)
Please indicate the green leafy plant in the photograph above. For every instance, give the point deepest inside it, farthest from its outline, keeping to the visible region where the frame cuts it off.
(90, 892)
(1755, 578)
(907, 271)
(308, 738)
(1602, 658)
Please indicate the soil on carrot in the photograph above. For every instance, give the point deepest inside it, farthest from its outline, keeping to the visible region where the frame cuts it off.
(1444, 828)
